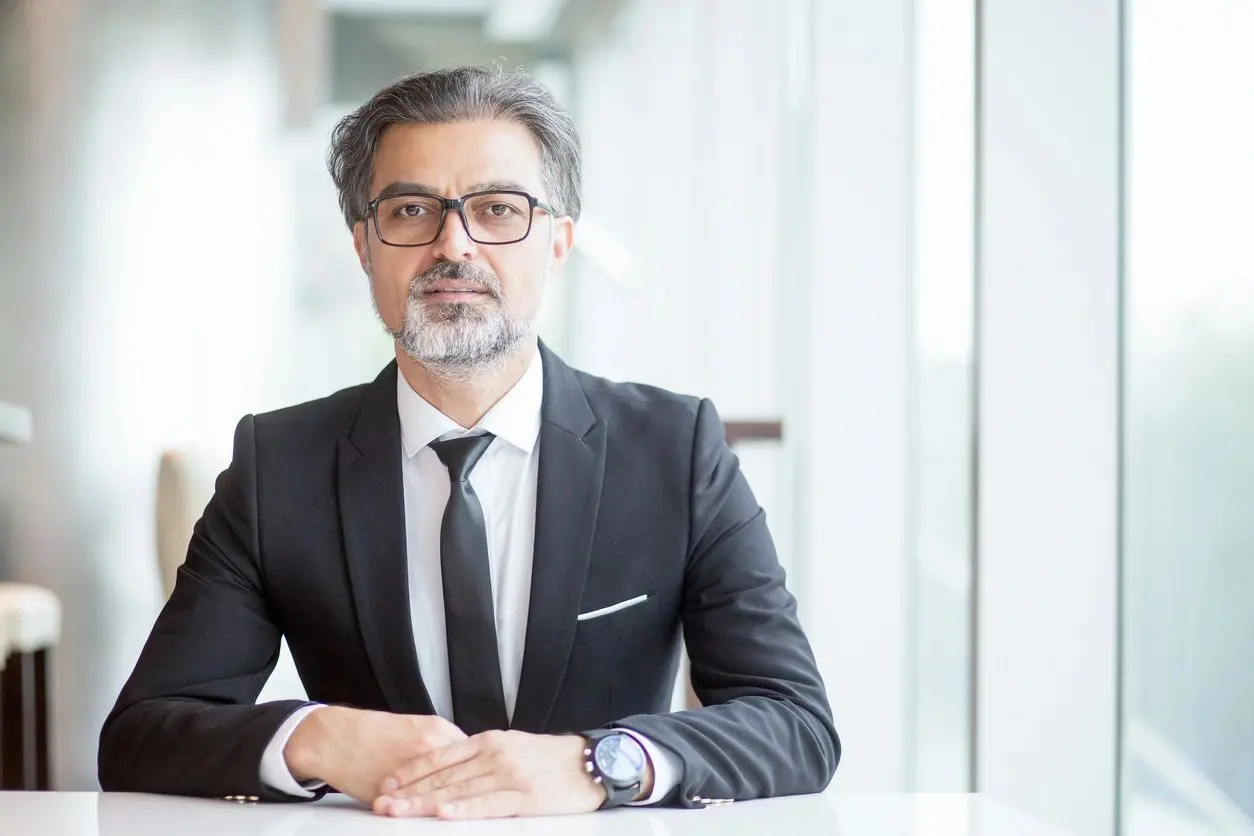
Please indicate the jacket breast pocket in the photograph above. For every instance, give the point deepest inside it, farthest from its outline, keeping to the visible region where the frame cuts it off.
(614, 619)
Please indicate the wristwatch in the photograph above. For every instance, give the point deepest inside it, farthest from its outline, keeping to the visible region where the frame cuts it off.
(615, 760)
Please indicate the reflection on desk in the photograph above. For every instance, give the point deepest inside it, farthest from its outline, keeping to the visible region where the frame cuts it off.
(122, 814)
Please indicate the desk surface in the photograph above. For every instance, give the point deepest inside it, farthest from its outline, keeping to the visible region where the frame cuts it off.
(120, 814)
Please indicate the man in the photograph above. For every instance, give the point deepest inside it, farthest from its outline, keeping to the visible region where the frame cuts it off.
(481, 561)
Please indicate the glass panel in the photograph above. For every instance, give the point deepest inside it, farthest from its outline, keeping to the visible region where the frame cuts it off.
(1188, 615)
(943, 318)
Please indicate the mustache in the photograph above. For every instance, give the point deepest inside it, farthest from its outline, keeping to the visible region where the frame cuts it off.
(465, 271)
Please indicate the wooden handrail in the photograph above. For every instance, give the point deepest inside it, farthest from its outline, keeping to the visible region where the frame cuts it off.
(738, 431)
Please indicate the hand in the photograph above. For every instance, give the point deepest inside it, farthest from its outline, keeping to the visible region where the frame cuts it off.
(354, 750)
(493, 775)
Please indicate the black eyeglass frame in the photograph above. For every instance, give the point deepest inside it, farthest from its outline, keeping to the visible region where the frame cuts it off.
(459, 205)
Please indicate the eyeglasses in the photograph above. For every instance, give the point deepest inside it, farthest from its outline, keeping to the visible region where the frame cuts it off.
(415, 220)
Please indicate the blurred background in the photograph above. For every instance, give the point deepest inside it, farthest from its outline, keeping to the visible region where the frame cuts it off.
(989, 265)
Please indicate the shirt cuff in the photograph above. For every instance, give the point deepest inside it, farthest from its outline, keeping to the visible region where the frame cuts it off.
(274, 771)
(665, 769)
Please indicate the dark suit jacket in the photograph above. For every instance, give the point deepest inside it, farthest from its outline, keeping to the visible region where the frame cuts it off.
(637, 493)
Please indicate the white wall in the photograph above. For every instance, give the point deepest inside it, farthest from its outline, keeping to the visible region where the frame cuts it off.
(1048, 400)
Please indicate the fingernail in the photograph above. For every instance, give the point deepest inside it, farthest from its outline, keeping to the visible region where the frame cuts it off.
(390, 784)
(400, 805)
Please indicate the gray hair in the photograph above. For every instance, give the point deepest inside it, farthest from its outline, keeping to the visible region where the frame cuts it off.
(455, 95)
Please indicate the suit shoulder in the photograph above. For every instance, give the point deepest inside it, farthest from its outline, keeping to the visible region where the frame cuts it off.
(332, 414)
(627, 400)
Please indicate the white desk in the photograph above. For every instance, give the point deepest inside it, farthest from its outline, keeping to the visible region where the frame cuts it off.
(118, 814)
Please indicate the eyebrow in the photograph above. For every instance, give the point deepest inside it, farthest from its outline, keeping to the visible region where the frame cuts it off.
(411, 187)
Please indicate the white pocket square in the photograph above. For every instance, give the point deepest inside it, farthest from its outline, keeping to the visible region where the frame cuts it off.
(621, 605)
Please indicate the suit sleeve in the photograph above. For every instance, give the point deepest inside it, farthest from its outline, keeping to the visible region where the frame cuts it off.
(185, 722)
(766, 727)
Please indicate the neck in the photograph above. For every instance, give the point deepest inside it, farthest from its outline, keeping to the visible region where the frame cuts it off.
(467, 400)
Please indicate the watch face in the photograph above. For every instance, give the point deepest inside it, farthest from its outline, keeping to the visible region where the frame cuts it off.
(620, 758)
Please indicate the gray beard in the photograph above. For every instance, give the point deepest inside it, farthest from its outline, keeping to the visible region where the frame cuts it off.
(460, 341)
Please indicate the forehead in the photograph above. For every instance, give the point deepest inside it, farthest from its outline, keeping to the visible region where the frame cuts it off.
(453, 156)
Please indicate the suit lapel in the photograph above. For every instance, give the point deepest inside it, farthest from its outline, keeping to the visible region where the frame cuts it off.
(572, 463)
(372, 508)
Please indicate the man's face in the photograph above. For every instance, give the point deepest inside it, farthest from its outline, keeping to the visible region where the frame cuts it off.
(456, 305)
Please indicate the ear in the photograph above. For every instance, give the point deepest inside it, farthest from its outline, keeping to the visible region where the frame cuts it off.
(561, 241)
(362, 244)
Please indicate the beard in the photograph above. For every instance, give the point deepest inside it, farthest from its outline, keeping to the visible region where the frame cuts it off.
(459, 341)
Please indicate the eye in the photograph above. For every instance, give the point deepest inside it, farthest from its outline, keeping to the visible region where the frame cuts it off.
(501, 210)
(498, 207)
(411, 210)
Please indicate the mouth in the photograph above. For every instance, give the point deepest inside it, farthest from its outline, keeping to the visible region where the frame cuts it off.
(445, 291)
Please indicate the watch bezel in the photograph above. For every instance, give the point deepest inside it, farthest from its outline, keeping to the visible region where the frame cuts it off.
(640, 771)
(616, 792)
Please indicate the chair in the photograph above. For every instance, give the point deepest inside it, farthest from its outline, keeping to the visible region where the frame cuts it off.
(30, 626)
(175, 515)
(183, 488)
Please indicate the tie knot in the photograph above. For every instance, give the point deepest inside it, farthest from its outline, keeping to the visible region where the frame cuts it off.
(460, 455)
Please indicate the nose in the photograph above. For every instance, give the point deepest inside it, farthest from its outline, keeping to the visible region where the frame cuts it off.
(453, 243)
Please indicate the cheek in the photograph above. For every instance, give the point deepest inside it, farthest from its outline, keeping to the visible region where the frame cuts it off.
(524, 290)
(390, 277)
(523, 280)
(387, 305)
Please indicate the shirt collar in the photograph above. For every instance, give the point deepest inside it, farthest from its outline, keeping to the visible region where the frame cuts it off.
(515, 418)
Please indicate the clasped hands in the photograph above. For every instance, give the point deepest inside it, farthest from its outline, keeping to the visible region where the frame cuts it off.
(416, 765)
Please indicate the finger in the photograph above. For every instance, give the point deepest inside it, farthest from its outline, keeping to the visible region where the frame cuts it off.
(429, 762)
(449, 776)
(429, 804)
(440, 732)
(492, 805)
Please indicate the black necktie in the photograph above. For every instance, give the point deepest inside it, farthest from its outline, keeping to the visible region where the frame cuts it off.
(474, 668)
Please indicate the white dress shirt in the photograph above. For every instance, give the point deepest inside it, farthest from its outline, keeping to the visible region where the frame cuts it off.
(505, 480)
